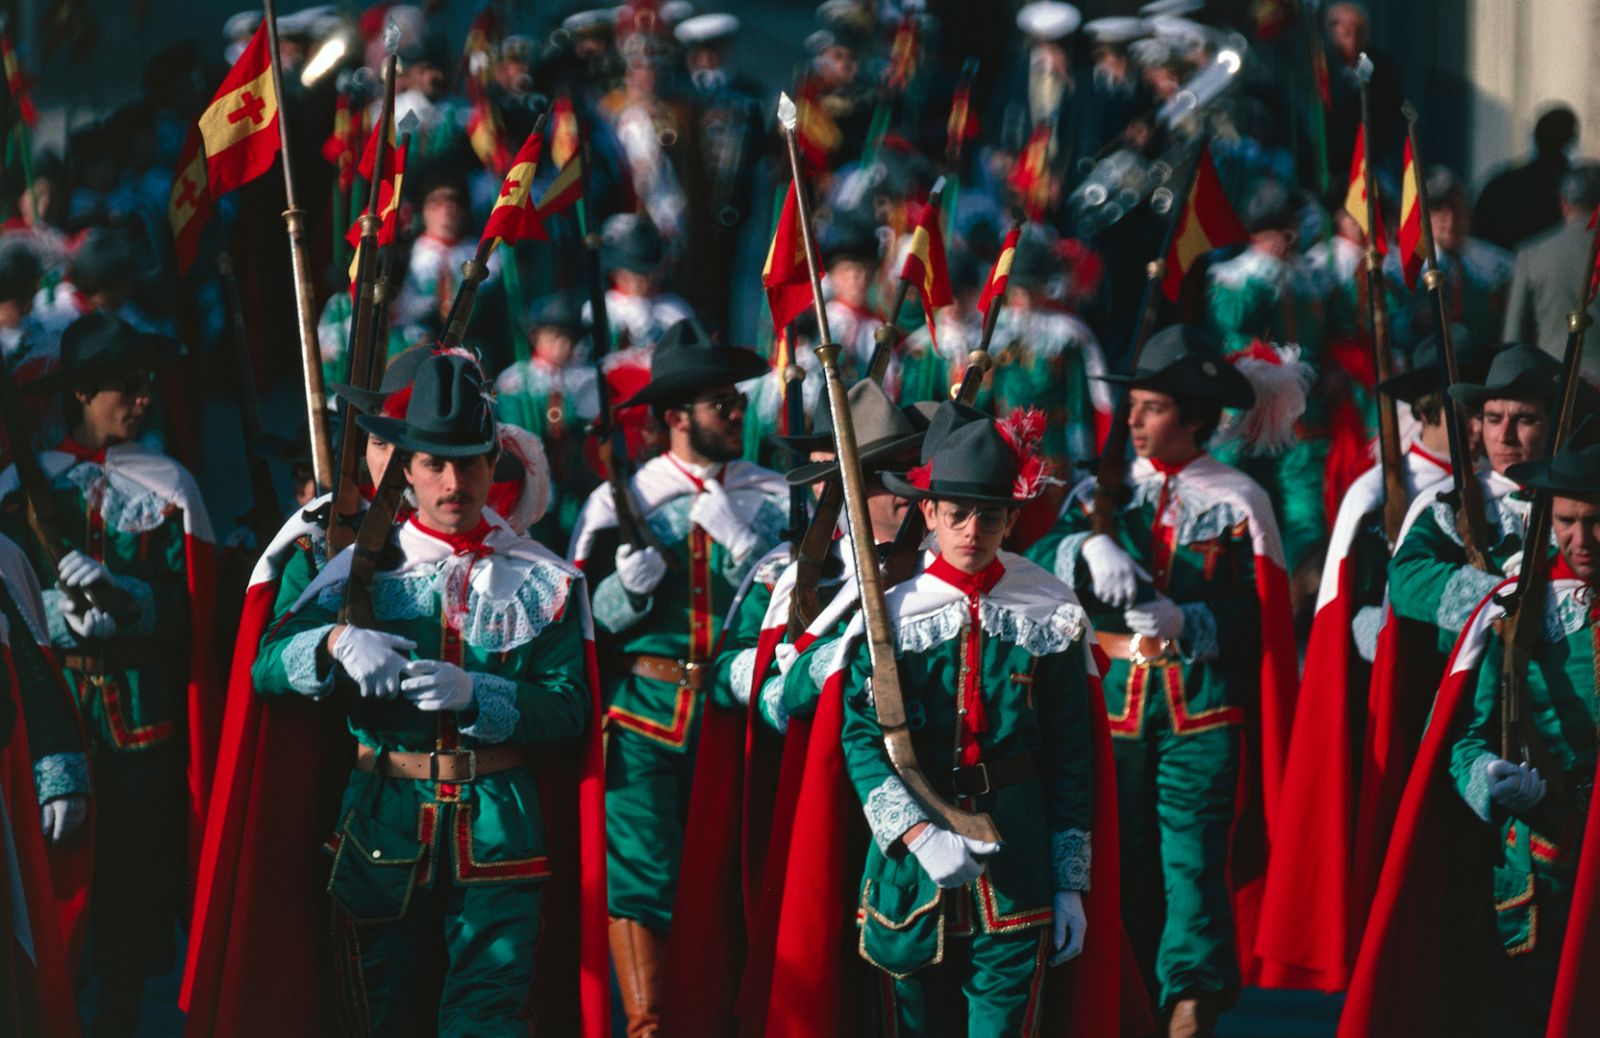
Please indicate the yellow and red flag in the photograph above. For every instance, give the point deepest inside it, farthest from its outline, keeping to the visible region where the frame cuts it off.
(564, 190)
(1030, 177)
(995, 287)
(816, 132)
(239, 128)
(1410, 233)
(1362, 209)
(786, 276)
(394, 176)
(903, 55)
(514, 217)
(17, 83)
(563, 132)
(189, 206)
(1207, 222)
(343, 143)
(485, 130)
(962, 126)
(925, 265)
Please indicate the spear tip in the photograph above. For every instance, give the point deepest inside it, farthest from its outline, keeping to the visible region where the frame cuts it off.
(787, 115)
(391, 37)
(1364, 68)
(409, 123)
(1408, 111)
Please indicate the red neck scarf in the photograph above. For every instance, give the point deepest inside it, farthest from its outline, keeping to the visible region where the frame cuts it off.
(974, 720)
(70, 446)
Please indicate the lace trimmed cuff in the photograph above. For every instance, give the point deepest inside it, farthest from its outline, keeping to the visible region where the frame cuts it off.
(890, 812)
(300, 663)
(61, 774)
(772, 708)
(1200, 632)
(497, 708)
(1069, 859)
(1067, 554)
(1466, 587)
(55, 605)
(741, 674)
(613, 606)
(1476, 792)
(1365, 628)
(145, 599)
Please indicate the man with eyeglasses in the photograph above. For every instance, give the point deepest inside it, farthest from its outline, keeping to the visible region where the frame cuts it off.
(1189, 599)
(714, 516)
(138, 531)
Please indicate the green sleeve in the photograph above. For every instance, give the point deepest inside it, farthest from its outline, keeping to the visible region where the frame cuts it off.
(60, 765)
(1061, 684)
(888, 805)
(1226, 627)
(1429, 579)
(1235, 312)
(292, 659)
(732, 670)
(1478, 740)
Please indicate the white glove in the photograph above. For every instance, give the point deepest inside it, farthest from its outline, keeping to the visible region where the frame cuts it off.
(1114, 573)
(372, 660)
(1158, 618)
(1513, 565)
(640, 569)
(63, 816)
(1515, 787)
(79, 570)
(436, 685)
(785, 653)
(714, 512)
(950, 860)
(92, 625)
(1070, 924)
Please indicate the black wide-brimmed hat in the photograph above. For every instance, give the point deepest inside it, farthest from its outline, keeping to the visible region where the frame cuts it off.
(399, 373)
(449, 415)
(1574, 470)
(686, 361)
(850, 236)
(1427, 368)
(561, 311)
(974, 463)
(883, 433)
(1036, 261)
(949, 416)
(631, 242)
(98, 345)
(1518, 372)
(1182, 361)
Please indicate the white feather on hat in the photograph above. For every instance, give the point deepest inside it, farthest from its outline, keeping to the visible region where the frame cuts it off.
(1280, 380)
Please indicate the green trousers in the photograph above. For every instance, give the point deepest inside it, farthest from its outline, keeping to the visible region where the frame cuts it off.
(480, 937)
(647, 804)
(987, 986)
(1175, 800)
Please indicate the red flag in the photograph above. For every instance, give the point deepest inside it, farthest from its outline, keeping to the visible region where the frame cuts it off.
(1208, 222)
(925, 265)
(563, 191)
(342, 144)
(1362, 209)
(563, 132)
(239, 129)
(816, 133)
(995, 287)
(962, 126)
(903, 55)
(388, 200)
(1410, 219)
(485, 131)
(17, 83)
(786, 276)
(513, 216)
(1030, 177)
(189, 206)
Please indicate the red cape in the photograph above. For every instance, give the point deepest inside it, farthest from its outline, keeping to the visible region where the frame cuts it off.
(1349, 439)
(1420, 971)
(258, 955)
(816, 968)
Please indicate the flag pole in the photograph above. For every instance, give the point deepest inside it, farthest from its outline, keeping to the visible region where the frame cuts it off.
(294, 219)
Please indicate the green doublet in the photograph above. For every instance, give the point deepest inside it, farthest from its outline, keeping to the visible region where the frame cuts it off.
(1049, 359)
(1429, 578)
(1477, 287)
(989, 672)
(556, 406)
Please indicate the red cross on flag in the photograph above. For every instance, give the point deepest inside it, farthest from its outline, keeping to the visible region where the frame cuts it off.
(189, 207)
(514, 217)
(239, 129)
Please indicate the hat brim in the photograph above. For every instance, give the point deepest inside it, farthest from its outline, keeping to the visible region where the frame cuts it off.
(1189, 379)
(395, 431)
(367, 400)
(899, 486)
(150, 351)
(1528, 385)
(738, 364)
(802, 444)
(1541, 475)
(1408, 385)
(872, 455)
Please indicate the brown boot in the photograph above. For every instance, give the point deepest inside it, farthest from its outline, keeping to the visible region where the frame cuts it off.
(636, 953)
(1193, 1017)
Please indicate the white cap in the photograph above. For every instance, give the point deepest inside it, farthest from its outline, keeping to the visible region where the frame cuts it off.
(1048, 19)
(301, 23)
(676, 12)
(1182, 34)
(585, 20)
(1116, 30)
(241, 25)
(705, 28)
(1155, 7)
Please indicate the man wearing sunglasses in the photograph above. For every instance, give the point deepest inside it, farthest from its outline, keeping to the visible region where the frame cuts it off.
(658, 612)
(129, 610)
(1189, 599)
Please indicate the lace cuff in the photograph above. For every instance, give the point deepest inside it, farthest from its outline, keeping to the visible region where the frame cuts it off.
(890, 812)
(1069, 859)
(1200, 632)
(741, 674)
(300, 663)
(1067, 554)
(55, 605)
(772, 708)
(1476, 791)
(497, 708)
(145, 624)
(1365, 628)
(60, 775)
(613, 606)
(1466, 587)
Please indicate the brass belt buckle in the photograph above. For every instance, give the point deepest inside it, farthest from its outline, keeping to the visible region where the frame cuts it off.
(472, 764)
(687, 674)
(1137, 657)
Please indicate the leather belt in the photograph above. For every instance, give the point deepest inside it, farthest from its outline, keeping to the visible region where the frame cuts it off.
(110, 659)
(689, 674)
(988, 776)
(1136, 648)
(443, 766)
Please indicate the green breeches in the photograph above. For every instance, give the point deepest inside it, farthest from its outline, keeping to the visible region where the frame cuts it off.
(987, 986)
(647, 801)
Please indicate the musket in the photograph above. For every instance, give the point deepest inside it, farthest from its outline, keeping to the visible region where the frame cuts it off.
(609, 439)
(889, 705)
(1466, 495)
(264, 514)
(294, 219)
(1111, 477)
(794, 417)
(346, 489)
(1394, 478)
(42, 515)
(1522, 630)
